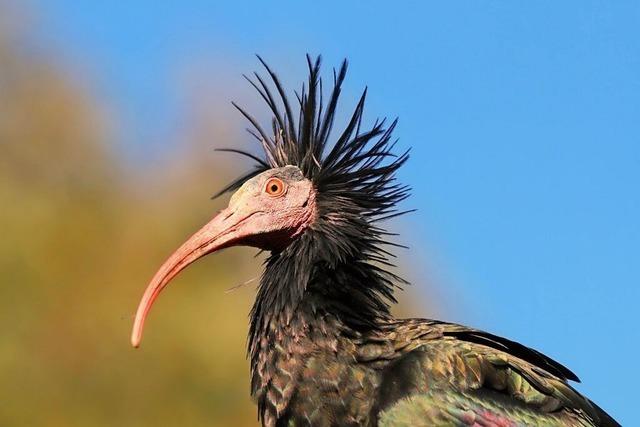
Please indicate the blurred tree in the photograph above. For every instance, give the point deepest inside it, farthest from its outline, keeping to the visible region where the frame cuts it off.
(79, 240)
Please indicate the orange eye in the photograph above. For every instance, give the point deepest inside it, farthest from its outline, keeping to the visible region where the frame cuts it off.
(274, 187)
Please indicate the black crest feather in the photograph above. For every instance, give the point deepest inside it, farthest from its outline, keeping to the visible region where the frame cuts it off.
(359, 165)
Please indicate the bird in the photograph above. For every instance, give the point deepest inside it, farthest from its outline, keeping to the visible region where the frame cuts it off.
(323, 346)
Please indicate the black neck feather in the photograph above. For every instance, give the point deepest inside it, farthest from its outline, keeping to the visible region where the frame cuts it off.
(339, 265)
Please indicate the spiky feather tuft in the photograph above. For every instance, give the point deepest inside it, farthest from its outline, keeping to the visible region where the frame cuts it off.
(359, 165)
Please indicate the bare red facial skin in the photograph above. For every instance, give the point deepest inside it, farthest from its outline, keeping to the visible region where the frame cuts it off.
(252, 219)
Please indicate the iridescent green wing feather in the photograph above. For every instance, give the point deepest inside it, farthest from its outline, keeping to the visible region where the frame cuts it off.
(452, 375)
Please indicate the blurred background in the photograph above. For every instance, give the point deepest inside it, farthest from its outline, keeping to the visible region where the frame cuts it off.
(524, 120)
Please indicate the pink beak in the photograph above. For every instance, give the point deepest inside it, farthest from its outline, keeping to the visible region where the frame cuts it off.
(222, 231)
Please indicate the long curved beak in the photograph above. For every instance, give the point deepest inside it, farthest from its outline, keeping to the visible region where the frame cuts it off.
(222, 231)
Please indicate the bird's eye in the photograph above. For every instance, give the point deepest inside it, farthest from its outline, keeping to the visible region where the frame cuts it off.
(275, 187)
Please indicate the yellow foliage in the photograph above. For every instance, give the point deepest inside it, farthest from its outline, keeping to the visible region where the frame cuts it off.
(80, 238)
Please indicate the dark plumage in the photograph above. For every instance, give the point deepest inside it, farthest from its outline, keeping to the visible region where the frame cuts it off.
(323, 345)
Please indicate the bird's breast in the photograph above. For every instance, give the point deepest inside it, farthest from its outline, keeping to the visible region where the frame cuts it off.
(311, 375)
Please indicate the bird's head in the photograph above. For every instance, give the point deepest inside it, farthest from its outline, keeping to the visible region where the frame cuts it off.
(298, 186)
(268, 211)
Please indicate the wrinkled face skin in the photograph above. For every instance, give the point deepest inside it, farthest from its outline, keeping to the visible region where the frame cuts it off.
(268, 212)
(272, 208)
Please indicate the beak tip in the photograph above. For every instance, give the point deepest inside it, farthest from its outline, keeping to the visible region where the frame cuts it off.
(135, 339)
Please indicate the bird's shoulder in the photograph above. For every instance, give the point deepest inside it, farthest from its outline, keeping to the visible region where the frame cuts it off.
(430, 359)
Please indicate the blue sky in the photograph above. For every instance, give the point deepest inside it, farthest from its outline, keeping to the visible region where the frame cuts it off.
(524, 118)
